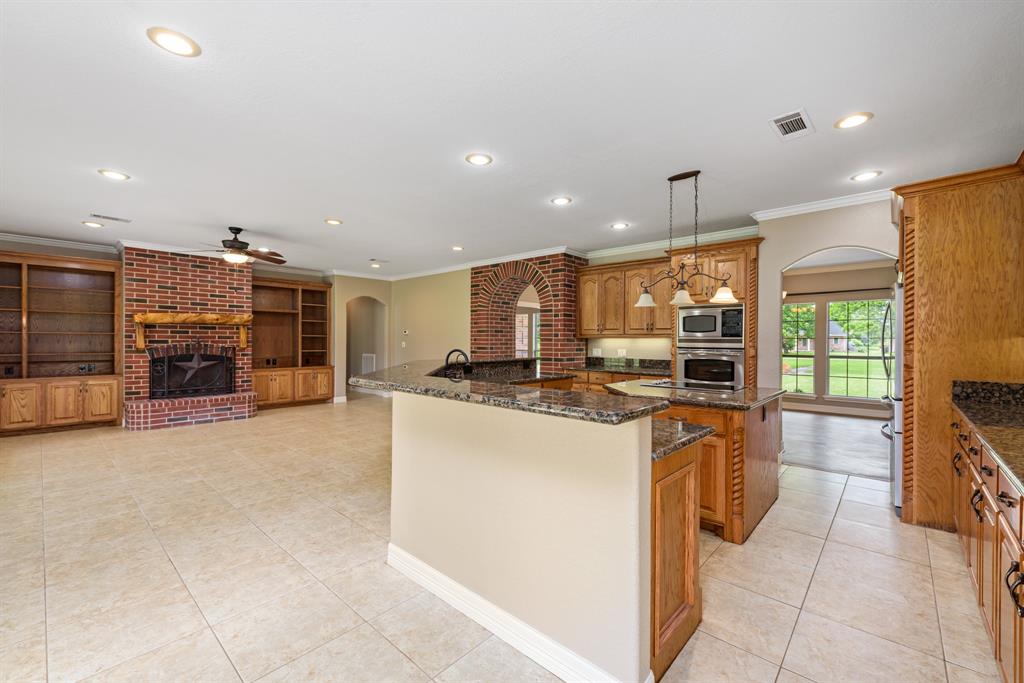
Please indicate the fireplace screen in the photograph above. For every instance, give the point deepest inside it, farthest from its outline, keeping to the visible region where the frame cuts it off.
(193, 369)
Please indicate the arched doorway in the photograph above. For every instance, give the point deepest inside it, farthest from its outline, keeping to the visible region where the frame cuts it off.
(365, 336)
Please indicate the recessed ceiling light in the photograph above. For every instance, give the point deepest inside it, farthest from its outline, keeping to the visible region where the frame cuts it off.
(92, 224)
(332, 221)
(620, 226)
(113, 175)
(263, 250)
(479, 159)
(854, 120)
(562, 201)
(174, 42)
(456, 248)
(375, 265)
(865, 175)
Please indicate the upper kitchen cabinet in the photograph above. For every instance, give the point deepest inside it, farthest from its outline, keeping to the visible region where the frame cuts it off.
(600, 297)
(698, 287)
(961, 240)
(646, 321)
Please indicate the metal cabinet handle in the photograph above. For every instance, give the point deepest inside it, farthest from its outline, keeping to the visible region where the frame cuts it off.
(975, 501)
(1006, 499)
(987, 471)
(1012, 588)
(973, 451)
(954, 425)
(963, 437)
(956, 466)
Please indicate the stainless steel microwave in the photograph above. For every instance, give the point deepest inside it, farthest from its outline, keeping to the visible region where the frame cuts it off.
(718, 326)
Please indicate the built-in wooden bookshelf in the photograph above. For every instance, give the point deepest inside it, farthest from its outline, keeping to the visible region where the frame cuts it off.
(58, 317)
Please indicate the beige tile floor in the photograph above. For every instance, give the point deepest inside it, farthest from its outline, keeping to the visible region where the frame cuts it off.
(255, 550)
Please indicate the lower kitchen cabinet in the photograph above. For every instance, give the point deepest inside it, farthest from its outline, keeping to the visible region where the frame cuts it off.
(282, 386)
(987, 513)
(560, 384)
(739, 469)
(59, 402)
(675, 528)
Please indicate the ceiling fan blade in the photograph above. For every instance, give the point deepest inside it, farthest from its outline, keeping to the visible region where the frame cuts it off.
(277, 260)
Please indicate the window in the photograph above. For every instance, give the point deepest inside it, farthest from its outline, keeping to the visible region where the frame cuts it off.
(528, 335)
(855, 354)
(798, 348)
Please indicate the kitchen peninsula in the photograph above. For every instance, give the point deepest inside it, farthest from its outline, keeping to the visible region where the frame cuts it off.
(740, 462)
(564, 522)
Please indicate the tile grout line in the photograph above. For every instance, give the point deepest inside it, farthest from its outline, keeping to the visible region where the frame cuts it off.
(935, 604)
(42, 524)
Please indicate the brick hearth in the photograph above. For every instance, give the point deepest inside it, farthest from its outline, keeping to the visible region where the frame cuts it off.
(162, 281)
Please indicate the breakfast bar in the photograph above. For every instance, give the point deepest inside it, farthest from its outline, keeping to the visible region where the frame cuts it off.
(564, 522)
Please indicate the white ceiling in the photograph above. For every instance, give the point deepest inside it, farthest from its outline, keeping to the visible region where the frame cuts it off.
(298, 111)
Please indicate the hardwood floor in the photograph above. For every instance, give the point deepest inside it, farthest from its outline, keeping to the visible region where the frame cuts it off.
(848, 445)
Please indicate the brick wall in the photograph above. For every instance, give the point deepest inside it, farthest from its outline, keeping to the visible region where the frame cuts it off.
(494, 292)
(157, 281)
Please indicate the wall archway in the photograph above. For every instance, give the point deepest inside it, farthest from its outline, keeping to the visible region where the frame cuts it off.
(365, 333)
(881, 254)
(495, 291)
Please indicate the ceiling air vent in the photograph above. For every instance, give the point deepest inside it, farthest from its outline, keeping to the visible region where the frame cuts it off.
(110, 218)
(794, 125)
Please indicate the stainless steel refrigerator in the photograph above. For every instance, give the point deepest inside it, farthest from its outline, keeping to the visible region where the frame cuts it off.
(892, 334)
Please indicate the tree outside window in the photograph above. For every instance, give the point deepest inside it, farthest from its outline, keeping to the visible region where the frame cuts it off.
(798, 347)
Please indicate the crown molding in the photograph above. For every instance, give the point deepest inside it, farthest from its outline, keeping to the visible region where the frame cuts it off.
(687, 241)
(64, 244)
(177, 249)
(823, 205)
(465, 265)
(261, 267)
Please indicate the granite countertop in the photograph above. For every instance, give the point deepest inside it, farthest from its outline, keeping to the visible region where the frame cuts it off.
(626, 370)
(743, 399)
(418, 377)
(668, 436)
(997, 412)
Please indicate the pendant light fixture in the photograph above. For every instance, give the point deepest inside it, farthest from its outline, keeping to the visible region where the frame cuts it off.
(686, 274)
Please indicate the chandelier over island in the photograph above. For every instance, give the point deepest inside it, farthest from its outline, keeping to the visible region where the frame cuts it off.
(686, 274)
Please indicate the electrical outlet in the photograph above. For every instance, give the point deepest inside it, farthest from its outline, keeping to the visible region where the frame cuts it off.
(598, 353)
(403, 343)
(621, 352)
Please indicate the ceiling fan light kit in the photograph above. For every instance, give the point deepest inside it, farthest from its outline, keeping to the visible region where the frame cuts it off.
(686, 274)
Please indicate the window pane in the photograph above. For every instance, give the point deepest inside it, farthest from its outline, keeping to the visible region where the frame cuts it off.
(877, 388)
(837, 386)
(798, 347)
(855, 348)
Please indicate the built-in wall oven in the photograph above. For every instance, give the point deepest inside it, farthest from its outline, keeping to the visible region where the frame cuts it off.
(710, 347)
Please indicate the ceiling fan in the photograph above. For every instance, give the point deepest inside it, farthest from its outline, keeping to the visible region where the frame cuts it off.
(238, 251)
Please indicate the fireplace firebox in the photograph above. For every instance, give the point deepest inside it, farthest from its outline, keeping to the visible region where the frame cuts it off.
(191, 369)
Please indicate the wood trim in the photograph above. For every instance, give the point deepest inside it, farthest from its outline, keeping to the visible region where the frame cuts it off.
(1020, 161)
(661, 262)
(713, 247)
(143, 319)
(291, 284)
(908, 244)
(24, 320)
(987, 175)
(61, 261)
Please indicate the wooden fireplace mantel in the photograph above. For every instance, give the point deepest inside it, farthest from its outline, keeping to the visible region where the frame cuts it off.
(164, 318)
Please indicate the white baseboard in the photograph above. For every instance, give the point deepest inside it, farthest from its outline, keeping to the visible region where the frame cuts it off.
(547, 652)
(849, 411)
(340, 399)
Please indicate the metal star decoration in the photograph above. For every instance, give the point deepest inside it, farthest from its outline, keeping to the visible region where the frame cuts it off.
(195, 365)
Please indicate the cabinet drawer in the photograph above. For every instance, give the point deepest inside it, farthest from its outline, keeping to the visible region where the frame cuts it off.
(577, 386)
(622, 377)
(1008, 497)
(988, 469)
(601, 378)
(701, 416)
(581, 375)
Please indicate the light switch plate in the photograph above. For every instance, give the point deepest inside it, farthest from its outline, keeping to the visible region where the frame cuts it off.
(621, 352)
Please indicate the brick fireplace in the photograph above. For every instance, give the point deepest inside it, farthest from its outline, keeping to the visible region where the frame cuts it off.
(494, 292)
(160, 282)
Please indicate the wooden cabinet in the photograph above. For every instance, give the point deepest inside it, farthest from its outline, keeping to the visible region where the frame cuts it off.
(20, 406)
(600, 298)
(731, 264)
(646, 321)
(675, 588)
(1010, 617)
(63, 403)
(698, 287)
(101, 400)
(606, 298)
(739, 466)
(291, 324)
(588, 294)
(293, 385)
(595, 380)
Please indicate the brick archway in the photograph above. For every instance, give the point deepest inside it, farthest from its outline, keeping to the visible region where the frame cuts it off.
(495, 291)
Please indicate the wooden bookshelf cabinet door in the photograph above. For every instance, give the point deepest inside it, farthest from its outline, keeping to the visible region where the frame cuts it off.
(323, 383)
(261, 384)
(101, 398)
(63, 402)
(305, 385)
(283, 386)
(20, 406)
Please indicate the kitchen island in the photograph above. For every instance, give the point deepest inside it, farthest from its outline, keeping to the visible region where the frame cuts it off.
(564, 522)
(739, 479)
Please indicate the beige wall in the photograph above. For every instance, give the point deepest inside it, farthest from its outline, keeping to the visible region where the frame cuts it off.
(546, 518)
(345, 289)
(821, 280)
(430, 315)
(653, 349)
(787, 240)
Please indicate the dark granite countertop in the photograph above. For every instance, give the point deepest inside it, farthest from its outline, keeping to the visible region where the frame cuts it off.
(418, 377)
(668, 436)
(626, 370)
(997, 412)
(744, 399)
